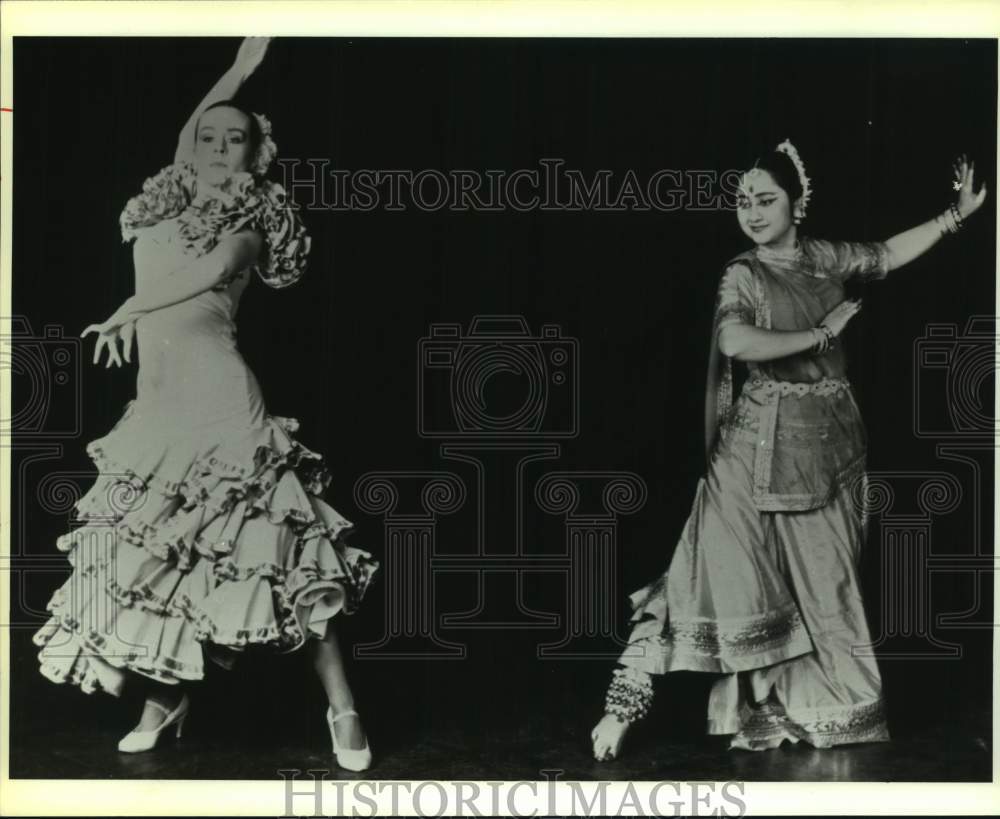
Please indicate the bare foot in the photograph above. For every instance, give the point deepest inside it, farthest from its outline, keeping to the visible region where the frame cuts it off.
(607, 737)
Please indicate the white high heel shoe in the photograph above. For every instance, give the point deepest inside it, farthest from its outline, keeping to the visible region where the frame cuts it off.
(136, 741)
(353, 759)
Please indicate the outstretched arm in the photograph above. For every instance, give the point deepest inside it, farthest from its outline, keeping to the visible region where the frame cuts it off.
(250, 55)
(906, 246)
(231, 255)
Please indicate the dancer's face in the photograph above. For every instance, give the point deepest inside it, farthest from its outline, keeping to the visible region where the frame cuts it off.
(222, 144)
(764, 210)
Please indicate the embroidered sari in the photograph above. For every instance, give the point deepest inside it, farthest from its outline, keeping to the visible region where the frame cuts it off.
(763, 587)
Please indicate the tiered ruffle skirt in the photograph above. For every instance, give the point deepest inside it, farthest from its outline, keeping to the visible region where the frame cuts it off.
(194, 547)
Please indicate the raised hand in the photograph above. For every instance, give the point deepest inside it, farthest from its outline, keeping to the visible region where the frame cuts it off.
(968, 200)
(251, 53)
(838, 317)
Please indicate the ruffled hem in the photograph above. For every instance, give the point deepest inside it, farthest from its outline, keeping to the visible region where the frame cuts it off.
(187, 547)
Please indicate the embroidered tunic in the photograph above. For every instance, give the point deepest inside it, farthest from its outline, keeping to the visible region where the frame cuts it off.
(799, 411)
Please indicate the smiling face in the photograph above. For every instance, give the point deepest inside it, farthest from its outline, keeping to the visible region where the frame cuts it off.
(222, 144)
(764, 210)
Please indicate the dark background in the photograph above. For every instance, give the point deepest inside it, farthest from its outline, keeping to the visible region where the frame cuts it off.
(877, 122)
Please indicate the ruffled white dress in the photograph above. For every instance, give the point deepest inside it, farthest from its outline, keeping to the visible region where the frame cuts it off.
(205, 531)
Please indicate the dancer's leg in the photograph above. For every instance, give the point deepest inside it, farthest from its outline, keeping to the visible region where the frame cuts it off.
(157, 693)
(628, 699)
(329, 665)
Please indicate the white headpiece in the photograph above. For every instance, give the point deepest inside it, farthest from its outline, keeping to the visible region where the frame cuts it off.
(267, 150)
(786, 147)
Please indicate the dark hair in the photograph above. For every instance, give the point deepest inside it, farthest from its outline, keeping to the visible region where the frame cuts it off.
(783, 171)
(254, 136)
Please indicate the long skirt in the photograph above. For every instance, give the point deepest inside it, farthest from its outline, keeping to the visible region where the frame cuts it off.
(197, 545)
(772, 602)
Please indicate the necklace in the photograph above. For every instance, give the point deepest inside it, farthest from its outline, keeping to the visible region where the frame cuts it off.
(768, 254)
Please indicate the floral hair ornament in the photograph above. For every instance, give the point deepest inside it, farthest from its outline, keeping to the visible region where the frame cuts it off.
(786, 147)
(267, 150)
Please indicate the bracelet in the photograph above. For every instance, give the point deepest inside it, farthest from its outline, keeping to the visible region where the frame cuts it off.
(957, 214)
(951, 219)
(629, 695)
(820, 344)
(826, 339)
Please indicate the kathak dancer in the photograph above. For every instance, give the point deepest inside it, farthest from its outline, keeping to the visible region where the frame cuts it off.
(763, 587)
(219, 537)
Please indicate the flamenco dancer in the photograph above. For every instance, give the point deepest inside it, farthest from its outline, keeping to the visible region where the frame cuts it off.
(219, 537)
(763, 588)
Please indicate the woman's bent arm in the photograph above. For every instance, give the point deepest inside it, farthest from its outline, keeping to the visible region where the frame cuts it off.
(231, 255)
(747, 343)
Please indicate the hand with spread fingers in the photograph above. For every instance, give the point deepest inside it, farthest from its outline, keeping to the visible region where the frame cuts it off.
(109, 332)
(969, 200)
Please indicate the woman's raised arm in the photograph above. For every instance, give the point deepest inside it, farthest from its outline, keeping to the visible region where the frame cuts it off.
(250, 55)
(906, 246)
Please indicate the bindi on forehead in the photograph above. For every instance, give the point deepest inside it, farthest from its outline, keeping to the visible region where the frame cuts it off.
(750, 186)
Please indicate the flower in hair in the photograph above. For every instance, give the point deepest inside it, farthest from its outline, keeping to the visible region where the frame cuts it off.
(267, 150)
(787, 148)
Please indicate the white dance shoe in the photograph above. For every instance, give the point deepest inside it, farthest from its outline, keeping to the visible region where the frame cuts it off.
(136, 741)
(353, 759)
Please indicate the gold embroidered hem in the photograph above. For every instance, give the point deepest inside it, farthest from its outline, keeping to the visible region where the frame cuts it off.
(767, 725)
(720, 646)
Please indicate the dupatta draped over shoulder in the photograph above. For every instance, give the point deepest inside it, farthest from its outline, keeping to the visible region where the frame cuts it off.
(799, 410)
